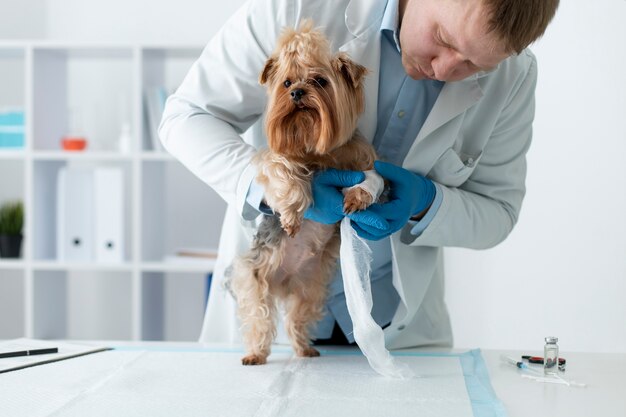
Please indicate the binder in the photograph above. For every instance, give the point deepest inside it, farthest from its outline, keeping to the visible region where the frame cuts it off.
(90, 214)
(109, 214)
(75, 214)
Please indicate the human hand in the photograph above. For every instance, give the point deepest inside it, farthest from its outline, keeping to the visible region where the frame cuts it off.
(410, 194)
(326, 186)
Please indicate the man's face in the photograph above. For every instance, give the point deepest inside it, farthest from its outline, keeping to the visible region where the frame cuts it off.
(446, 40)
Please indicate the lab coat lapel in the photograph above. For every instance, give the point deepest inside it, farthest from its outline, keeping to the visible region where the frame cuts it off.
(454, 99)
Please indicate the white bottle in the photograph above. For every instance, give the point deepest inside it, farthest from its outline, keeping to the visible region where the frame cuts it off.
(125, 140)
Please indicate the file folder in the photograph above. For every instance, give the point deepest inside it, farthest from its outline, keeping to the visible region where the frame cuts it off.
(109, 214)
(75, 214)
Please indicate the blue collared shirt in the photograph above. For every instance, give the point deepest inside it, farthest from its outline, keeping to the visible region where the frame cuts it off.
(403, 106)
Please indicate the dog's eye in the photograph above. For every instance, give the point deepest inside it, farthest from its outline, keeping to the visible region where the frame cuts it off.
(321, 81)
(287, 83)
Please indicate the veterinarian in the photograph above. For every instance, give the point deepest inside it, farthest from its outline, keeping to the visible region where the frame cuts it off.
(449, 108)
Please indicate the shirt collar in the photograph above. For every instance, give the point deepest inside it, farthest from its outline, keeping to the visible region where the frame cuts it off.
(390, 21)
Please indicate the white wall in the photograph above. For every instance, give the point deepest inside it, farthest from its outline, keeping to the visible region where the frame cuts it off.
(563, 269)
(23, 19)
(144, 21)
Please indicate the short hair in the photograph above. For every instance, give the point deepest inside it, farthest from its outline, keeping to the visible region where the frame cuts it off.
(518, 23)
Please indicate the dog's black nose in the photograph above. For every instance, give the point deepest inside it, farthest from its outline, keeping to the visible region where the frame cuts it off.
(297, 94)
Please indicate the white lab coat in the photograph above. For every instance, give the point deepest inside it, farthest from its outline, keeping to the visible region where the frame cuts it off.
(473, 144)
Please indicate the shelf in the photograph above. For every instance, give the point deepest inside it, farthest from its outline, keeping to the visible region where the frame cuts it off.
(86, 51)
(156, 156)
(80, 266)
(97, 90)
(179, 266)
(12, 154)
(80, 156)
(94, 156)
(11, 264)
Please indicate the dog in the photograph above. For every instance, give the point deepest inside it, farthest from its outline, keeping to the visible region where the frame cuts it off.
(315, 99)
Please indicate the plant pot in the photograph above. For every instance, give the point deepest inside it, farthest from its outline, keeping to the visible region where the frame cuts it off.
(10, 246)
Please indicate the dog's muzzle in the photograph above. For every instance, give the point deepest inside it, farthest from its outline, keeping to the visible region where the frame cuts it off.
(297, 94)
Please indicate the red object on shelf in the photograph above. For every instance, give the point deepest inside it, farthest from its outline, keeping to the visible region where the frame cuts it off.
(73, 143)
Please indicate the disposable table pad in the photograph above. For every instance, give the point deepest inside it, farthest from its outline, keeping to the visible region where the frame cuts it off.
(152, 381)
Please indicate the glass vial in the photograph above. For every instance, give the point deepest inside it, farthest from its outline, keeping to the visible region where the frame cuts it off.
(551, 356)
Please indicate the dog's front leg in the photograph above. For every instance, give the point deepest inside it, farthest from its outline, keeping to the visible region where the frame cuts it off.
(287, 191)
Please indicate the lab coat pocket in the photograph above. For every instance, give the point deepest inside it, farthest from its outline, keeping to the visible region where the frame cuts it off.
(452, 169)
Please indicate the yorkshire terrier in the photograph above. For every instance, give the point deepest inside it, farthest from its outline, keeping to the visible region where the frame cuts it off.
(315, 99)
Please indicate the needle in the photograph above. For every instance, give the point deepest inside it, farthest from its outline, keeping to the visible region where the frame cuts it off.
(519, 364)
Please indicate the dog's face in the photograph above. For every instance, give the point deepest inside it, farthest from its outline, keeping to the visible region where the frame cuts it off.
(315, 97)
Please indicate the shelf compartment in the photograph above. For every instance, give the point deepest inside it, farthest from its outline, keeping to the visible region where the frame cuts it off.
(175, 216)
(82, 305)
(82, 91)
(45, 201)
(13, 98)
(163, 70)
(11, 300)
(12, 190)
(173, 305)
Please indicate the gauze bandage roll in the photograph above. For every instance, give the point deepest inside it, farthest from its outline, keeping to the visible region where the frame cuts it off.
(355, 257)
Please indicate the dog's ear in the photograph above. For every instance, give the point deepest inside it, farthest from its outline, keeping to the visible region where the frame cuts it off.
(268, 71)
(352, 72)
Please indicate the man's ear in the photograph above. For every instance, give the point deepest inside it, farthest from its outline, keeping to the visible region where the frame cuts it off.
(268, 71)
(352, 72)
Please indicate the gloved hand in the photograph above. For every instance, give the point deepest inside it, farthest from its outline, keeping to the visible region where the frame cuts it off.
(410, 194)
(327, 204)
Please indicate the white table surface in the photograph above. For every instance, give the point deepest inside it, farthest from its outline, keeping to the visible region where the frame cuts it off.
(604, 374)
(605, 394)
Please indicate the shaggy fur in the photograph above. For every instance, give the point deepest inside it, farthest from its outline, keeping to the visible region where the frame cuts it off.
(315, 99)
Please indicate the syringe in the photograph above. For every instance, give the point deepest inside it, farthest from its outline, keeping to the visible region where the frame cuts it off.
(519, 364)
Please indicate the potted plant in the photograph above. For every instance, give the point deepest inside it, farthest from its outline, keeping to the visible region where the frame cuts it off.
(11, 222)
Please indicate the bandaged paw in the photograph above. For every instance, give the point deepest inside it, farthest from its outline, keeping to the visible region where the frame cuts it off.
(362, 195)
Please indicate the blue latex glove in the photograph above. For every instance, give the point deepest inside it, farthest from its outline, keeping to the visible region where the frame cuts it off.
(327, 204)
(410, 194)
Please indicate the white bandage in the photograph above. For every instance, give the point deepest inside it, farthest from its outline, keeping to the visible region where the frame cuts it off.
(373, 184)
(355, 257)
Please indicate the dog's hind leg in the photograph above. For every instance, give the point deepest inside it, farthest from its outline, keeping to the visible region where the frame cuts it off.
(256, 309)
(306, 301)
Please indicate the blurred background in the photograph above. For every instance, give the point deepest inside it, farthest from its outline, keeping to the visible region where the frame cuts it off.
(94, 74)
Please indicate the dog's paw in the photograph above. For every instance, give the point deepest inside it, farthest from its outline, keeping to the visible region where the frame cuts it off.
(254, 360)
(292, 230)
(308, 352)
(291, 225)
(356, 199)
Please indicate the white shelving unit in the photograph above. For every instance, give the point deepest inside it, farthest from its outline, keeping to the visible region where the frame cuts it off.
(97, 88)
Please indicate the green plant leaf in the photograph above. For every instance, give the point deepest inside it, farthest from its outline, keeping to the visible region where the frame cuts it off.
(11, 218)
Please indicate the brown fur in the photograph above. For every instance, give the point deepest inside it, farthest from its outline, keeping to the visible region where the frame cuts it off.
(296, 263)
